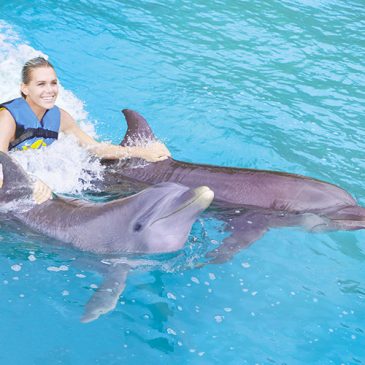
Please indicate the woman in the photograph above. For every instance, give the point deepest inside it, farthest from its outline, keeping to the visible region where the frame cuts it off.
(34, 121)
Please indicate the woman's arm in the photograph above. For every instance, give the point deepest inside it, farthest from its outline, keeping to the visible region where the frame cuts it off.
(41, 191)
(7, 130)
(154, 152)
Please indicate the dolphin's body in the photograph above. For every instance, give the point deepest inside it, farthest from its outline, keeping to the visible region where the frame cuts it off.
(156, 220)
(268, 198)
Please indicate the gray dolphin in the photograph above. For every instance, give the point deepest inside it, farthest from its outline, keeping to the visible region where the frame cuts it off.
(156, 220)
(267, 198)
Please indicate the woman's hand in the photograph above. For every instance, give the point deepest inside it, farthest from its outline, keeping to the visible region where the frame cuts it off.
(153, 152)
(41, 192)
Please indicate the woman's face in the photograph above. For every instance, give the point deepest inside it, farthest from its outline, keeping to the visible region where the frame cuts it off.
(42, 89)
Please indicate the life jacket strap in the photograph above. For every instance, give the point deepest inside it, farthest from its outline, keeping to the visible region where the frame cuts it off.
(30, 133)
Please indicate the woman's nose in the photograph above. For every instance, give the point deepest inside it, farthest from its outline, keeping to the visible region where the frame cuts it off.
(50, 88)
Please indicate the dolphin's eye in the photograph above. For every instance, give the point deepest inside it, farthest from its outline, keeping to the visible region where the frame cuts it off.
(137, 227)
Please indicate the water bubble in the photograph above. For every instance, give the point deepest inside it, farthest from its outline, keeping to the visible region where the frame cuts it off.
(219, 319)
(170, 331)
(16, 267)
(56, 269)
(171, 296)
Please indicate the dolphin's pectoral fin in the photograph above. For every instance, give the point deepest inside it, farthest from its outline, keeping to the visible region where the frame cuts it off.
(234, 243)
(106, 296)
(245, 229)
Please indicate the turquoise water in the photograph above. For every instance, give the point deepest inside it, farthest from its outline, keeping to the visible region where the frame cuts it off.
(272, 85)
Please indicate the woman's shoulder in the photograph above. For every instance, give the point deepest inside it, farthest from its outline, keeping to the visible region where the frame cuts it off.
(5, 115)
(65, 115)
(7, 124)
(67, 121)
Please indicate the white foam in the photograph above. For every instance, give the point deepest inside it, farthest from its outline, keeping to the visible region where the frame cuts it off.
(63, 164)
(56, 269)
(18, 205)
(132, 263)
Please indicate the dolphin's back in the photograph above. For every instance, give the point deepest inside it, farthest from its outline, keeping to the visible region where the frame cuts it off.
(234, 186)
(245, 187)
(84, 225)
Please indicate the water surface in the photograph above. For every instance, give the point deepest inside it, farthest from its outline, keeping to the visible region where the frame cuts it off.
(273, 85)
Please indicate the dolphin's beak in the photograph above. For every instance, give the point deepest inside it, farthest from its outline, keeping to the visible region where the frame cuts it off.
(200, 198)
(203, 196)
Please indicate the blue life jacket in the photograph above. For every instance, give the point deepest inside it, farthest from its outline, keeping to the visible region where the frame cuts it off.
(30, 132)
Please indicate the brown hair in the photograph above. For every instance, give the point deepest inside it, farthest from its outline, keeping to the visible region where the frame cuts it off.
(36, 62)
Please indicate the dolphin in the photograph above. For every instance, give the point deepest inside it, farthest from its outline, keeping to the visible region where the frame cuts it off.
(265, 198)
(142, 223)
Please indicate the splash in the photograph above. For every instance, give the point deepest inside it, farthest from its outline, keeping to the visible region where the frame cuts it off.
(64, 166)
(17, 206)
(13, 54)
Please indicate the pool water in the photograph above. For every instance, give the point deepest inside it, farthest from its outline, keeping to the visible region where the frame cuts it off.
(273, 85)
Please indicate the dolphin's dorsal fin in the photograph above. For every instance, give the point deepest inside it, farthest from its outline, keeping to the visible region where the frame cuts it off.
(138, 129)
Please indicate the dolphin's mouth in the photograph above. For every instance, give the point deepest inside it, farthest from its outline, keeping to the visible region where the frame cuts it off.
(203, 196)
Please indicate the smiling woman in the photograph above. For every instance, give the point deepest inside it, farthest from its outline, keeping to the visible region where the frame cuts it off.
(33, 121)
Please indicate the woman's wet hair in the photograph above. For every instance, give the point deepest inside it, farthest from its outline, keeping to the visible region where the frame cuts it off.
(36, 62)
